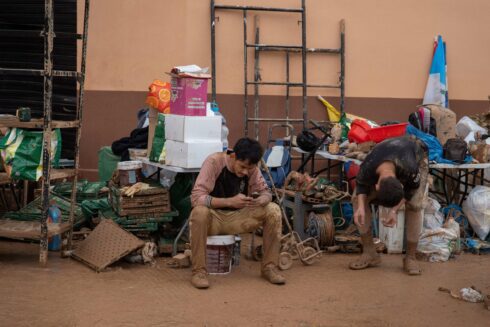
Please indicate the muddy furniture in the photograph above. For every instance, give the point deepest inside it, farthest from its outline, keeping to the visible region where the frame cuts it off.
(47, 124)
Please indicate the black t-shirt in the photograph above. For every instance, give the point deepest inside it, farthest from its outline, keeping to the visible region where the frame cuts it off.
(228, 185)
(405, 153)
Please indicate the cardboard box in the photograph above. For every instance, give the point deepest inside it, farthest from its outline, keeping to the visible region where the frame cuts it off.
(188, 96)
(192, 128)
(189, 154)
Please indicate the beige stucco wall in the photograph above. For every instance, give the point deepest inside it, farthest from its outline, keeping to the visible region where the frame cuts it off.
(388, 44)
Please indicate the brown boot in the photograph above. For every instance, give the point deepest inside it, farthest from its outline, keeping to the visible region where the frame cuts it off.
(200, 279)
(410, 264)
(271, 274)
(369, 256)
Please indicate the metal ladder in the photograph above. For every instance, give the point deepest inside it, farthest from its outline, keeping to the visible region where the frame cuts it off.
(288, 50)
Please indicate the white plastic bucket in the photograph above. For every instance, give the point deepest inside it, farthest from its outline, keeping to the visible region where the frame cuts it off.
(129, 172)
(219, 252)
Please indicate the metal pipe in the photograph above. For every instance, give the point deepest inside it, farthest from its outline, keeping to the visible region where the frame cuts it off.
(48, 92)
(276, 119)
(297, 49)
(287, 86)
(275, 83)
(303, 58)
(264, 46)
(245, 69)
(254, 8)
(342, 67)
(79, 115)
(36, 72)
(213, 53)
(256, 77)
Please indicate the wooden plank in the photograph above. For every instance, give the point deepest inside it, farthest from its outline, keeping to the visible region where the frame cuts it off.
(29, 229)
(4, 178)
(61, 173)
(143, 212)
(37, 123)
(55, 174)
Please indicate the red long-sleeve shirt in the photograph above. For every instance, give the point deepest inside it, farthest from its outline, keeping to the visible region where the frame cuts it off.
(216, 179)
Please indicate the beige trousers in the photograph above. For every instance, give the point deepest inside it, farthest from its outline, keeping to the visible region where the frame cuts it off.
(205, 222)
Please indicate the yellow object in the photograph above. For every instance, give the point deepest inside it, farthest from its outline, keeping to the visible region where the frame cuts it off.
(333, 114)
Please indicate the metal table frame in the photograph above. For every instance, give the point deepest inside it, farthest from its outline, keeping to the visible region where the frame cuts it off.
(438, 170)
(193, 171)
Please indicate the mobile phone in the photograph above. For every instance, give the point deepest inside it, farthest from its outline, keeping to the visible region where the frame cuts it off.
(255, 195)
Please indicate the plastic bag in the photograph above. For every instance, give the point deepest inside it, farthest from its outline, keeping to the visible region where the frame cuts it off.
(22, 153)
(158, 147)
(433, 218)
(466, 125)
(438, 244)
(477, 209)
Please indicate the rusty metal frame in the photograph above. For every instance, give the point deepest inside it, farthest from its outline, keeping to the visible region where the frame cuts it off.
(288, 49)
(48, 73)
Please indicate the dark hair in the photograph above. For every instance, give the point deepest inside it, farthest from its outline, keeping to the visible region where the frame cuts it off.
(390, 192)
(249, 150)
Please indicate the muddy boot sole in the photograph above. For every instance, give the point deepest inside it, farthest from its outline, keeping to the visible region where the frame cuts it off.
(365, 262)
(411, 267)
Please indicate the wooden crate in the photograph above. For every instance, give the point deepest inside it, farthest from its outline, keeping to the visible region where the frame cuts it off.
(146, 203)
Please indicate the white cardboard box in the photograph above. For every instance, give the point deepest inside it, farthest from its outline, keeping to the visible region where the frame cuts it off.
(192, 128)
(189, 154)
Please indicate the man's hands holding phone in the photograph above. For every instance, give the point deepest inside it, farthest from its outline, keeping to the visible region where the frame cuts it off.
(240, 201)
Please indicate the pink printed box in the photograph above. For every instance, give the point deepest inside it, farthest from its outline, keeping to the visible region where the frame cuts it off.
(188, 96)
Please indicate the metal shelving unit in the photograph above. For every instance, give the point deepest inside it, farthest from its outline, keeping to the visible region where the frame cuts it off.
(47, 124)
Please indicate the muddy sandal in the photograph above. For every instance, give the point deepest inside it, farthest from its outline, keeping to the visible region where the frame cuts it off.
(364, 262)
(411, 267)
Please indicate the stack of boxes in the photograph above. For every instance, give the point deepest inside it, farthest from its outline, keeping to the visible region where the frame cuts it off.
(190, 135)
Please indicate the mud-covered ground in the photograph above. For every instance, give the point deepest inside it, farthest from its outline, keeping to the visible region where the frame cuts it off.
(67, 293)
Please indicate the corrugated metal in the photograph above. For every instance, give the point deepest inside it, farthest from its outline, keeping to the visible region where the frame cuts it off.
(20, 22)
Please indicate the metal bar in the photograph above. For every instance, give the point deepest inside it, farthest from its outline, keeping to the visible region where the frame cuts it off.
(79, 114)
(259, 46)
(25, 193)
(342, 67)
(276, 120)
(303, 60)
(65, 73)
(287, 87)
(293, 49)
(34, 33)
(245, 69)
(213, 53)
(274, 83)
(257, 77)
(23, 72)
(36, 72)
(254, 8)
(48, 92)
(327, 86)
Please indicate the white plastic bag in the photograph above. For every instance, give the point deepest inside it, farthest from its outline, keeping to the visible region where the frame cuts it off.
(438, 244)
(433, 218)
(477, 209)
(466, 125)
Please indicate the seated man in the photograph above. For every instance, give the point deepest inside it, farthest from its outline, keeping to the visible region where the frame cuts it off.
(394, 173)
(222, 204)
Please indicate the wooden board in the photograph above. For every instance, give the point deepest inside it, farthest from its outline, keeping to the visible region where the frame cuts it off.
(36, 123)
(106, 244)
(29, 229)
(149, 202)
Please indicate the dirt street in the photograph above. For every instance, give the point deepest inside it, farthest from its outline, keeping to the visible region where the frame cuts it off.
(67, 293)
